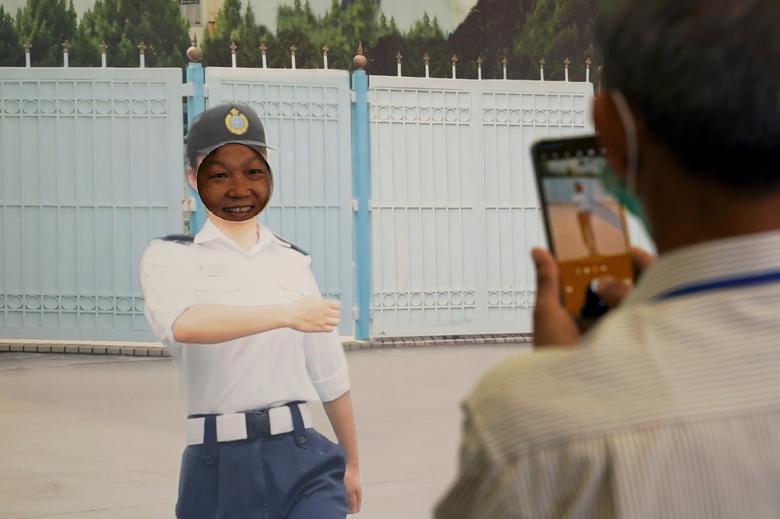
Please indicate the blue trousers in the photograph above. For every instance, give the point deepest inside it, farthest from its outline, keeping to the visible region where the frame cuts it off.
(297, 475)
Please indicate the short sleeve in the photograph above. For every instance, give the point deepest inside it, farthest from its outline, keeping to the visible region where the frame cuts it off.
(167, 286)
(325, 359)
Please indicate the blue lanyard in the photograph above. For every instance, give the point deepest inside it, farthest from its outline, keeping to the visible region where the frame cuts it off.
(751, 280)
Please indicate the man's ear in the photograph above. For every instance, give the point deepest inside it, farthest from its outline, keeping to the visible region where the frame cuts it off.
(192, 178)
(611, 132)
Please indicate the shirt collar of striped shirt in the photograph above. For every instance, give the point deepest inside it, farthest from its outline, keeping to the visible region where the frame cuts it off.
(709, 261)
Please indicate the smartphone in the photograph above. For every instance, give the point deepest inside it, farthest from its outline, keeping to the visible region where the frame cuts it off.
(586, 225)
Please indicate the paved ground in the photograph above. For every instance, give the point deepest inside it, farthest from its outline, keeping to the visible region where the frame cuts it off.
(96, 437)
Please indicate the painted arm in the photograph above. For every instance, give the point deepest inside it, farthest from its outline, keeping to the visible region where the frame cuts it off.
(211, 323)
(343, 421)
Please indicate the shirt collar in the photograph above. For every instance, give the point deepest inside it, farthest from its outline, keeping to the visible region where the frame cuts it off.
(211, 232)
(709, 261)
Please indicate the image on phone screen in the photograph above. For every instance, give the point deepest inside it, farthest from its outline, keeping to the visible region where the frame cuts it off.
(585, 223)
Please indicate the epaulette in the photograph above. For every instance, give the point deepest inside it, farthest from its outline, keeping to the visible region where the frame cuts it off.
(293, 247)
(178, 238)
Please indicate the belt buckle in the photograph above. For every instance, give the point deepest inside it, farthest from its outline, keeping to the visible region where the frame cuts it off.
(258, 425)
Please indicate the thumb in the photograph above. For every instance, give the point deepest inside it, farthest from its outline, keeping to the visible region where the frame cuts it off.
(548, 286)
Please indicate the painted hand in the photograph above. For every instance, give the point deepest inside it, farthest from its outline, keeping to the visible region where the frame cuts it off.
(314, 314)
(354, 491)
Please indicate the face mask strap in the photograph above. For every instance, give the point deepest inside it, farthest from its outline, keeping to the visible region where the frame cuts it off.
(632, 142)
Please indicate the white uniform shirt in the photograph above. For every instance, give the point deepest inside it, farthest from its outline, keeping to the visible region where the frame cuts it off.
(253, 372)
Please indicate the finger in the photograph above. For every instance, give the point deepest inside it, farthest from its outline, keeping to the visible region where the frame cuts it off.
(333, 304)
(352, 502)
(552, 323)
(359, 498)
(547, 285)
(612, 291)
(642, 257)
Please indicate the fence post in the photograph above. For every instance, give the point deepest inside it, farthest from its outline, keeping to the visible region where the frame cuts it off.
(196, 104)
(361, 171)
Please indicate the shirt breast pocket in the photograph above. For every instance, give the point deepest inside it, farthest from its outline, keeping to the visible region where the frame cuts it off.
(220, 290)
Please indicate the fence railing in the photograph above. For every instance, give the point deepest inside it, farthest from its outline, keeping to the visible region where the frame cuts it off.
(414, 195)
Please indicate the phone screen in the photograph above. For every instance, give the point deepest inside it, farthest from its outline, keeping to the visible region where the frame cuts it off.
(586, 225)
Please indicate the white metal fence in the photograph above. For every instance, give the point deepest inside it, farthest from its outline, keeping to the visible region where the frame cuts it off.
(454, 203)
(90, 171)
(306, 116)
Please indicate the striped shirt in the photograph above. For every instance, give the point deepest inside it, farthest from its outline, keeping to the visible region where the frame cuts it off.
(669, 408)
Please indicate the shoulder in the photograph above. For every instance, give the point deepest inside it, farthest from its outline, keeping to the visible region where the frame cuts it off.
(552, 396)
(166, 250)
(289, 245)
(178, 238)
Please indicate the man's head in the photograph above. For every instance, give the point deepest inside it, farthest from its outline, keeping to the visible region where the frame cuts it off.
(702, 79)
(234, 182)
(228, 165)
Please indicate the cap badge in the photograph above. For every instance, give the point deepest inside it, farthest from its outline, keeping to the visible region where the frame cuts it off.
(236, 122)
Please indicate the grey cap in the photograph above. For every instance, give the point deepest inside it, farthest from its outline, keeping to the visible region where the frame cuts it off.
(225, 124)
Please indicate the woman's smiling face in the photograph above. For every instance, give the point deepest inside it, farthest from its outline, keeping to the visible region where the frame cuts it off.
(234, 182)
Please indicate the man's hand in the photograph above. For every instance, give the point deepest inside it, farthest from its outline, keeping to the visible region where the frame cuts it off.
(613, 291)
(553, 324)
(314, 314)
(354, 491)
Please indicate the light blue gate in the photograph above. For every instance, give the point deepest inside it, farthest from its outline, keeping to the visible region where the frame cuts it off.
(306, 115)
(432, 240)
(90, 171)
(454, 203)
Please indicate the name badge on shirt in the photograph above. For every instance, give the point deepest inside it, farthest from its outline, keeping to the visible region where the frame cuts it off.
(213, 270)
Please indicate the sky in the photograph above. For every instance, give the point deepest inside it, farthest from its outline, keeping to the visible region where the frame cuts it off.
(449, 12)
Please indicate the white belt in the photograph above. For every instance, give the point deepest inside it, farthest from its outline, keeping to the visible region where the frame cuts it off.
(232, 427)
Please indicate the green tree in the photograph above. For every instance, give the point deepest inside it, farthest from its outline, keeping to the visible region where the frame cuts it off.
(249, 37)
(556, 30)
(490, 31)
(359, 23)
(216, 47)
(298, 25)
(124, 24)
(11, 51)
(46, 24)
(426, 37)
